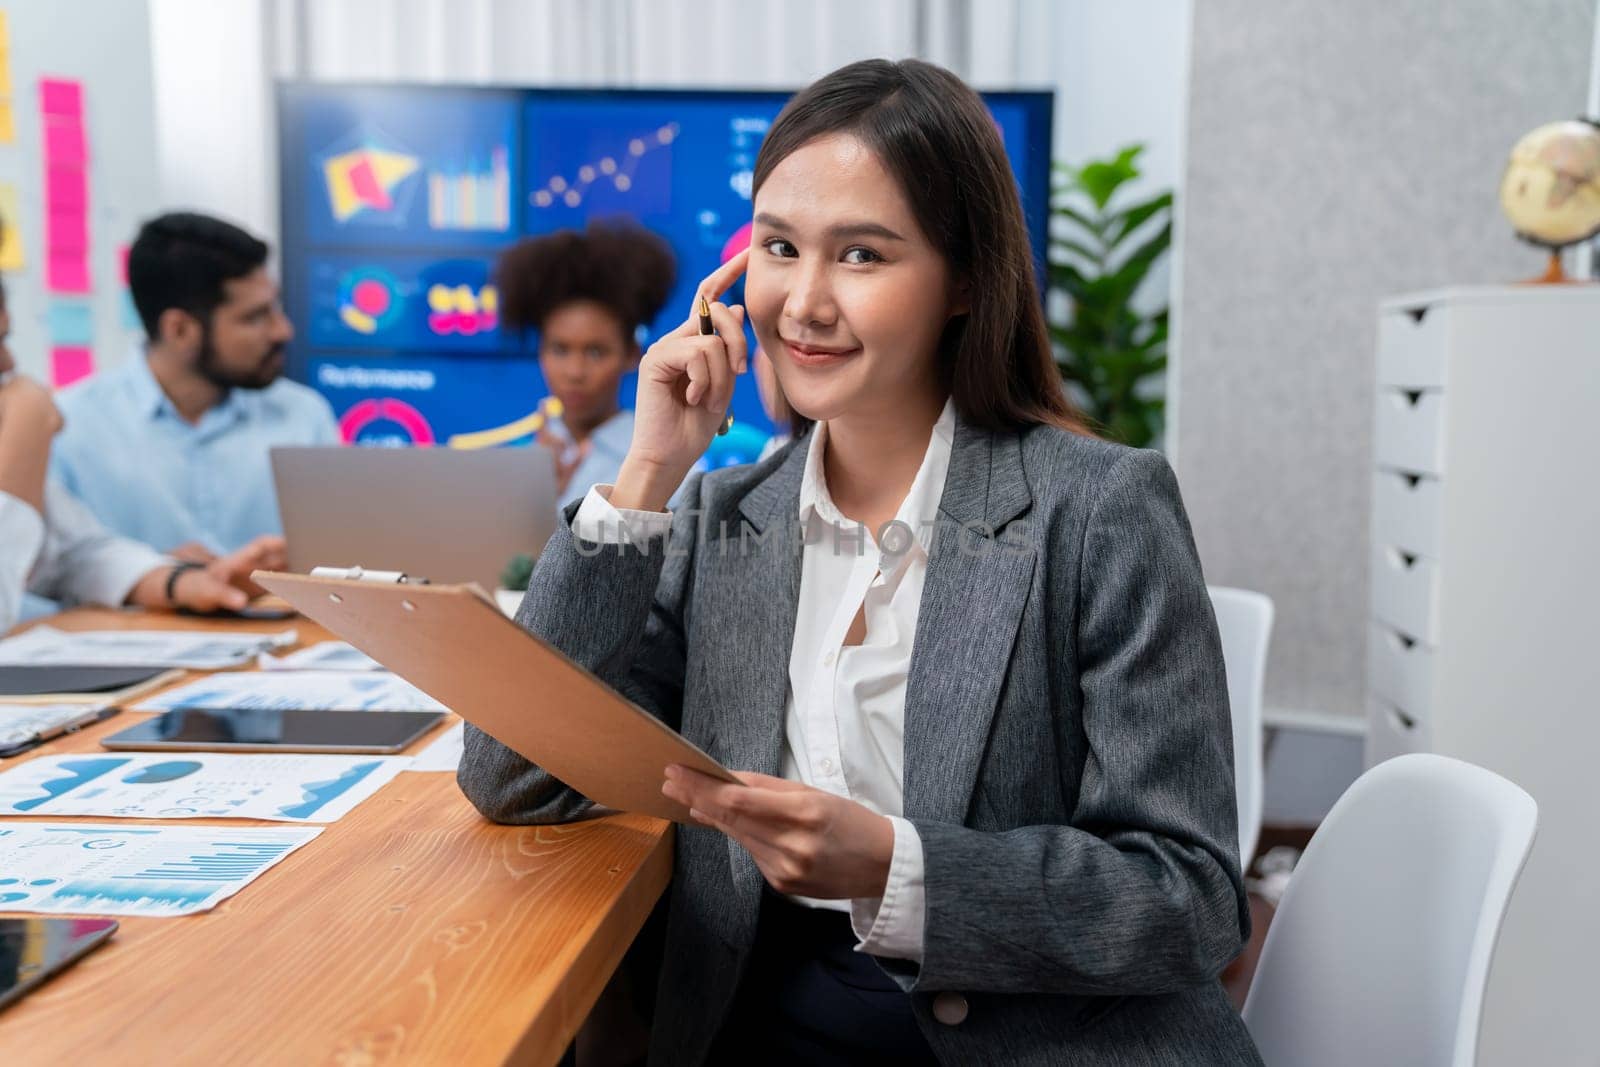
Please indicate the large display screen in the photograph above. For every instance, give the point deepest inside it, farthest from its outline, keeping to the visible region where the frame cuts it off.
(397, 199)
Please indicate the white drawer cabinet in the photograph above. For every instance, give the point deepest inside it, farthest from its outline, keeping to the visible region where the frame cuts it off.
(1392, 732)
(1484, 636)
(1405, 512)
(1411, 347)
(1408, 432)
(1405, 592)
(1400, 671)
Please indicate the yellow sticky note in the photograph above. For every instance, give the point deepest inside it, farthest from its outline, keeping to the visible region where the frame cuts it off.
(11, 258)
(5, 60)
(8, 131)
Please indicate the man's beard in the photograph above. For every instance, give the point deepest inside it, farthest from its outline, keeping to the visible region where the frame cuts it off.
(265, 372)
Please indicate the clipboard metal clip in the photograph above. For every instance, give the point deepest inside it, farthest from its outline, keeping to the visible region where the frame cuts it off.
(360, 574)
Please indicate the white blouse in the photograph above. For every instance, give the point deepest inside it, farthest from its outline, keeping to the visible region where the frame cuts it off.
(844, 719)
(64, 554)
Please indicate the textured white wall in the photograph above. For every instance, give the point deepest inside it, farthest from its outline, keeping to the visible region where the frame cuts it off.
(48, 39)
(215, 117)
(1336, 153)
(1118, 68)
(1120, 73)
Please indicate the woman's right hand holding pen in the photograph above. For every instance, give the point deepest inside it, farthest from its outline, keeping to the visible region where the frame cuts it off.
(686, 383)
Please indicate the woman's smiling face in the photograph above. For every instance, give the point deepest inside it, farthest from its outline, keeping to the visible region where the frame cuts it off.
(847, 295)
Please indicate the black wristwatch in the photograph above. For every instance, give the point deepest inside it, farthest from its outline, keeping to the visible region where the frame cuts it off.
(178, 569)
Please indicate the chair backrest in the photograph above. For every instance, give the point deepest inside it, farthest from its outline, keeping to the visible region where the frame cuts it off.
(1380, 948)
(1245, 622)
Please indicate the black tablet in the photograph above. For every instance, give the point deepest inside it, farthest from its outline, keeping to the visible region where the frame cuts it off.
(36, 680)
(276, 730)
(31, 950)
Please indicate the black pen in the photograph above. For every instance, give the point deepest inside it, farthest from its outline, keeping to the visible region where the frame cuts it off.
(14, 746)
(707, 329)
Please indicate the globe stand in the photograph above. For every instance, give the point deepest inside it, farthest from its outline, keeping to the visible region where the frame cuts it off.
(1554, 272)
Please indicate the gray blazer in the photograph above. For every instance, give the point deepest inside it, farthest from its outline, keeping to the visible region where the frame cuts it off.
(1068, 756)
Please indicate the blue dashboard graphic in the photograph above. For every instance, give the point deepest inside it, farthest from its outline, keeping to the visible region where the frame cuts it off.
(396, 200)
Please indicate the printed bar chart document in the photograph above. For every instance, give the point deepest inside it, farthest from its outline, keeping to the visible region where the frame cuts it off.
(199, 650)
(443, 755)
(296, 690)
(300, 788)
(83, 869)
(452, 642)
(324, 656)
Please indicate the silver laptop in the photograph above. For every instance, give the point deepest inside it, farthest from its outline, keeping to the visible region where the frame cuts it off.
(442, 514)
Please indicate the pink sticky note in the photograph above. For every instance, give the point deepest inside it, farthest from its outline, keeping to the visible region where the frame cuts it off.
(66, 188)
(64, 144)
(67, 273)
(68, 233)
(69, 363)
(61, 96)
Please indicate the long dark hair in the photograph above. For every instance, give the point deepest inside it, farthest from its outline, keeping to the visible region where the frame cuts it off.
(934, 134)
(619, 265)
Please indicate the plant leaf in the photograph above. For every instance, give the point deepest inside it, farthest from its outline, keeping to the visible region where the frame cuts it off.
(1093, 226)
(1131, 274)
(1063, 244)
(1109, 353)
(1124, 222)
(1101, 178)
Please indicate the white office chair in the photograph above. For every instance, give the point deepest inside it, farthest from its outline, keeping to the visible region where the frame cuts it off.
(1245, 621)
(1379, 951)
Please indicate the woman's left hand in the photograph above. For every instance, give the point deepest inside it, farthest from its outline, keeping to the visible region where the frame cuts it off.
(807, 842)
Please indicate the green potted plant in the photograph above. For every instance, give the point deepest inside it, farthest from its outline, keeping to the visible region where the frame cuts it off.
(514, 582)
(1111, 351)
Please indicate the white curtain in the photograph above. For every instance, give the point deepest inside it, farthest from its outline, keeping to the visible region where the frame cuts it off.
(742, 43)
(1118, 67)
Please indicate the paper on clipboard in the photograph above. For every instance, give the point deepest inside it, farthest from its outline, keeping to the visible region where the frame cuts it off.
(453, 643)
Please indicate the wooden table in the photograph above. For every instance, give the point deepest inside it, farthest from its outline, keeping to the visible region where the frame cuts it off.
(410, 931)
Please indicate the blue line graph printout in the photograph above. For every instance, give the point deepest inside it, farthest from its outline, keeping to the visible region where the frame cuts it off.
(323, 656)
(139, 870)
(286, 788)
(296, 691)
(198, 650)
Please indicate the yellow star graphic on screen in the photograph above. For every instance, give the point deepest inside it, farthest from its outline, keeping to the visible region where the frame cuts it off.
(365, 179)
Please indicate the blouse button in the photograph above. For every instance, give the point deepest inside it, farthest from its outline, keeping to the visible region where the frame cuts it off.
(950, 1008)
(827, 661)
(826, 765)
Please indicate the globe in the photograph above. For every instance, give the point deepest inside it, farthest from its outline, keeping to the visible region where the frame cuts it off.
(1551, 187)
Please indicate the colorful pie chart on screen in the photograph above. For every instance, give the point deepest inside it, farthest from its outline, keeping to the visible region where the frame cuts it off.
(369, 300)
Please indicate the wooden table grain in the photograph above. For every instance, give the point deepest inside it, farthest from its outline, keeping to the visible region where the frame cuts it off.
(410, 931)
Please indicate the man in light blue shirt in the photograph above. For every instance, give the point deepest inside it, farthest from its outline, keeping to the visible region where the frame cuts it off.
(51, 547)
(171, 446)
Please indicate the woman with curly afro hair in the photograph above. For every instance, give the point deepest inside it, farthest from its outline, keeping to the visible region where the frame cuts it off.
(586, 293)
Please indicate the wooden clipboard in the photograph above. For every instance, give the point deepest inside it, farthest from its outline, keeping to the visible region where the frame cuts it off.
(453, 643)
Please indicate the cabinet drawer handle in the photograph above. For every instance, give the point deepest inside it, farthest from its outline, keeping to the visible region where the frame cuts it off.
(1401, 642)
(1407, 560)
(1406, 399)
(1401, 721)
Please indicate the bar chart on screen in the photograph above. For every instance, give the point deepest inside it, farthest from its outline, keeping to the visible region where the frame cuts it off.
(475, 195)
